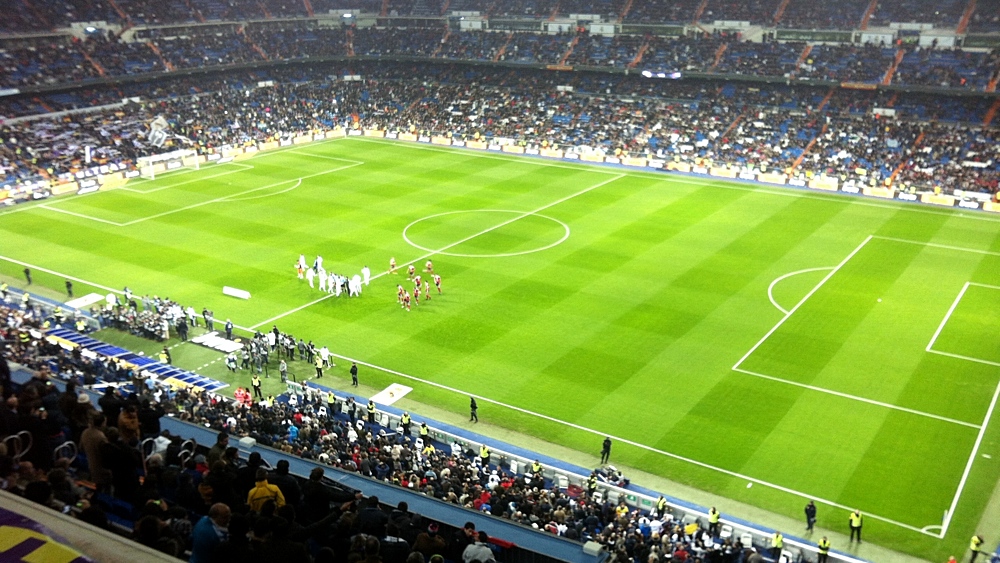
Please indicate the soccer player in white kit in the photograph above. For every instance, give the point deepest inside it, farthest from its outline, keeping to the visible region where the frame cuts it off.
(310, 274)
(366, 274)
(335, 284)
(322, 279)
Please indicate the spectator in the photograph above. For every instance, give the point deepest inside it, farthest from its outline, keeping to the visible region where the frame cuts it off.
(210, 532)
(263, 492)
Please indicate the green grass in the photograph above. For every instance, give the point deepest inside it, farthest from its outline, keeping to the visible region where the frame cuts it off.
(631, 326)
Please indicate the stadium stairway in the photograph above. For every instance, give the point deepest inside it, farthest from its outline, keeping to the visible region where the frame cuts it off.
(963, 24)
(991, 113)
(887, 80)
(868, 14)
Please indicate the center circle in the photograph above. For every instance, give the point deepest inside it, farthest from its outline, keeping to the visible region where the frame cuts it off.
(515, 216)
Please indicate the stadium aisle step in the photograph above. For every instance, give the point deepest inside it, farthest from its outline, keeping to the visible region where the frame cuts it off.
(963, 23)
(868, 14)
(780, 12)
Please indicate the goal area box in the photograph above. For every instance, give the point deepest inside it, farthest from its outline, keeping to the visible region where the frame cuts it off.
(151, 166)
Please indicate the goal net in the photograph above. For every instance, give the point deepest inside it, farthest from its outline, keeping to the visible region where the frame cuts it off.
(152, 166)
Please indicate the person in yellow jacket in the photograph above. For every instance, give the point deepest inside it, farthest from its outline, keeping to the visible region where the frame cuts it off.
(777, 543)
(855, 520)
(823, 547)
(974, 545)
(713, 522)
(263, 492)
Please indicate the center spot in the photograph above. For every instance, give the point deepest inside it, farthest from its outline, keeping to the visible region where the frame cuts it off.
(485, 233)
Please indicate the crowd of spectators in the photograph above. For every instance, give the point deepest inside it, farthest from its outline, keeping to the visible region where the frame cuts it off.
(806, 14)
(942, 13)
(684, 121)
(46, 15)
(61, 59)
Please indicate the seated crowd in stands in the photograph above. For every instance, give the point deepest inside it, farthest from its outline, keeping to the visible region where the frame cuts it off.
(765, 128)
(41, 15)
(48, 60)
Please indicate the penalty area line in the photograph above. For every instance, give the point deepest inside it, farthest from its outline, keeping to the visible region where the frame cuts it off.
(635, 444)
(788, 315)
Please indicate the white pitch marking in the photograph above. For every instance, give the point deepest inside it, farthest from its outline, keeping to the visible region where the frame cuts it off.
(857, 398)
(833, 271)
(966, 358)
(55, 273)
(770, 288)
(328, 157)
(81, 215)
(284, 191)
(242, 168)
(947, 316)
(635, 444)
(566, 233)
(972, 458)
(224, 198)
(936, 245)
(521, 215)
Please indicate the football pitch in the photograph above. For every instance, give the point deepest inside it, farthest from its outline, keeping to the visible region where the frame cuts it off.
(835, 348)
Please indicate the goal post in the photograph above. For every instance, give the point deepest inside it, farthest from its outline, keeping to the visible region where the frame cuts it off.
(151, 166)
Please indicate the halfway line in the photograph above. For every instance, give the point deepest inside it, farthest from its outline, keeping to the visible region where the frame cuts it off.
(452, 245)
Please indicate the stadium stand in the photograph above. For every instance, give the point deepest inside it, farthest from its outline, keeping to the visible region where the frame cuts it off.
(686, 122)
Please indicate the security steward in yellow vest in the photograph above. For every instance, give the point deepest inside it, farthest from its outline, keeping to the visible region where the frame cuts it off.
(592, 484)
(536, 468)
(856, 521)
(255, 383)
(404, 421)
(371, 411)
(824, 550)
(81, 326)
(974, 547)
(661, 507)
(713, 522)
(777, 543)
(484, 455)
(424, 431)
(331, 403)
